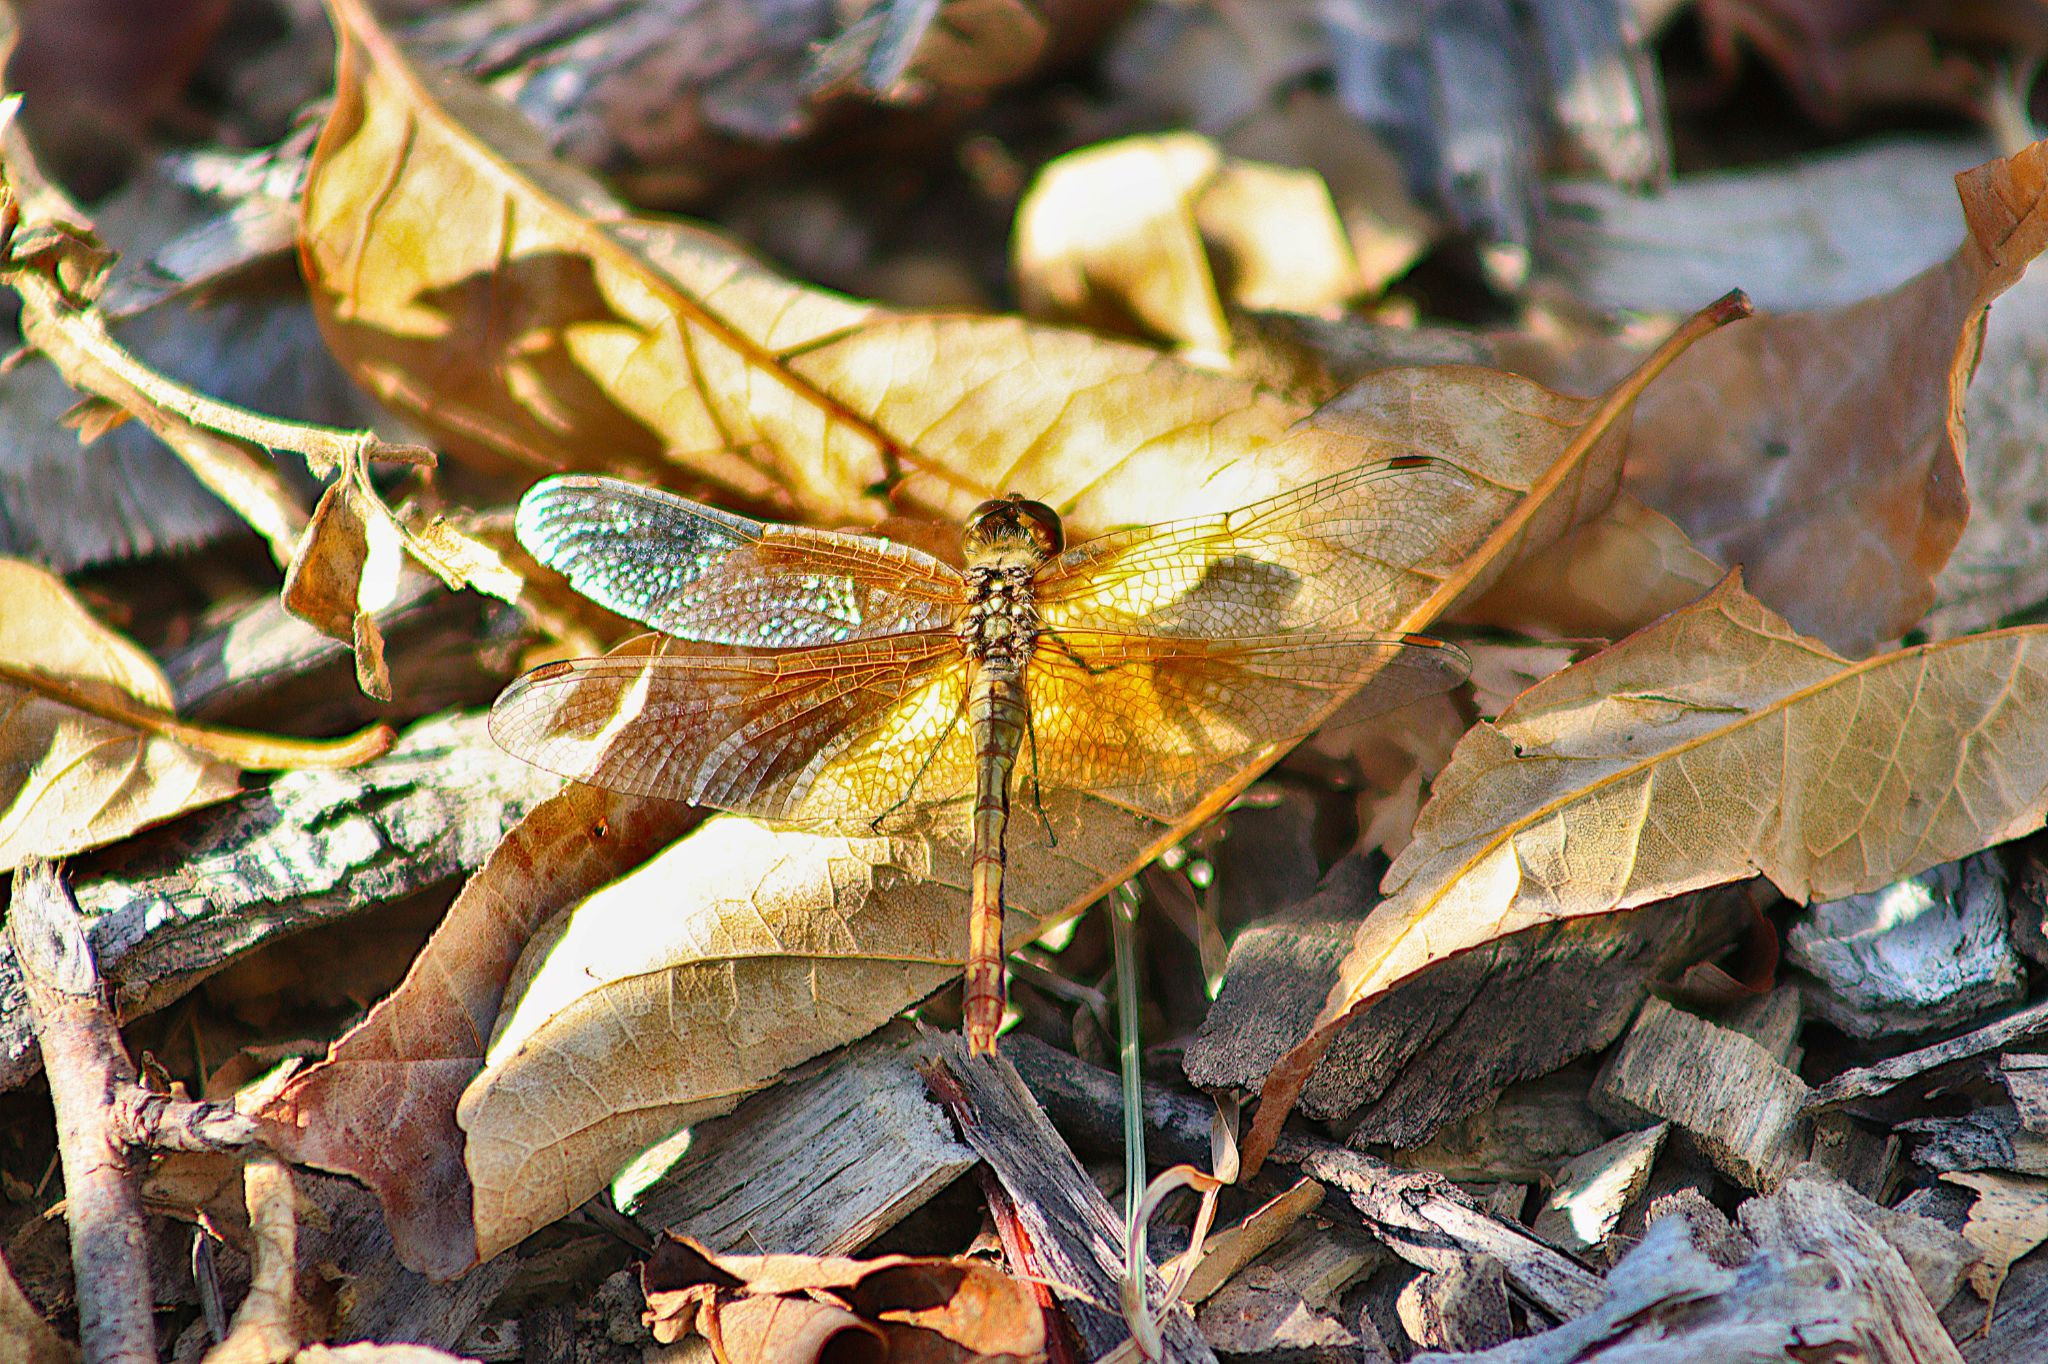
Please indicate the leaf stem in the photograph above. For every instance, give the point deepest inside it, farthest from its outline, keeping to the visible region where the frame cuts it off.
(243, 748)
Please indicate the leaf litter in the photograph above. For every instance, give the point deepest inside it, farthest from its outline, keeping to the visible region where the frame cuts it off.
(622, 969)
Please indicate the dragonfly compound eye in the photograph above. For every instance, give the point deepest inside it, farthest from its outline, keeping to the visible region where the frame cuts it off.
(1013, 522)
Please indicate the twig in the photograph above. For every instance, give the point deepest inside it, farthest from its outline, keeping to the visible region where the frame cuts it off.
(104, 1117)
(87, 1066)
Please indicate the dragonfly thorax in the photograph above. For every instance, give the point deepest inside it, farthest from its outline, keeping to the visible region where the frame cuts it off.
(999, 628)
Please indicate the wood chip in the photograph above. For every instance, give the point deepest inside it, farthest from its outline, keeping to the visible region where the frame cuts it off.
(1732, 1097)
(818, 1166)
(1594, 1190)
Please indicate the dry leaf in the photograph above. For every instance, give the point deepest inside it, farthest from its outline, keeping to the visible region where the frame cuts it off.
(1150, 236)
(381, 1107)
(1713, 745)
(784, 1309)
(745, 949)
(1608, 578)
(561, 345)
(2009, 1219)
(69, 780)
(1822, 451)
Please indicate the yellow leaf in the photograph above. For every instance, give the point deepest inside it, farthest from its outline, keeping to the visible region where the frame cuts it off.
(70, 780)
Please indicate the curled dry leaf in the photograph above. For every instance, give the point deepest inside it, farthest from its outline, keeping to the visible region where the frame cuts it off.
(1822, 452)
(70, 780)
(1716, 744)
(381, 1106)
(1152, 236)
(786, 1309)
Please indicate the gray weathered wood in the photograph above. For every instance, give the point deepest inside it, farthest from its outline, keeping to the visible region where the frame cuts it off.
(1418, 1214)
(1732, 1097)
(1819, 232)
(171, 906)
(819, 1165)
(1446, 1043)
(1873, 1080)
(1822, 1282)
(1595, 1190)
(1930, 951)
(1079, 1237)
(263, 666)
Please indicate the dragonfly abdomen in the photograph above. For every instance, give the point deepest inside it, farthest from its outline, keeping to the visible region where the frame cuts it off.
(998, 719)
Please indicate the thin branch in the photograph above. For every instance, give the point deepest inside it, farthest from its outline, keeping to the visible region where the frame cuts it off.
(87, 1066)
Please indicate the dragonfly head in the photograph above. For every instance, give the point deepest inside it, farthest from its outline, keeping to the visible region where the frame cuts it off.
(1012, 529)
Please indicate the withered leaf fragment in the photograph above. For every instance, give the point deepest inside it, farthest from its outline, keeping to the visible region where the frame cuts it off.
(787, 1309)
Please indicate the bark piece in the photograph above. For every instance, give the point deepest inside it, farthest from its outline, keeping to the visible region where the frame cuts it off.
(1732, 1097)
(1930, 951)
(1463, 1306)
(2025, 1076)
(1987, 1139)
(1772, 1020)
(1261, 1312)
(445, 649)
(1445, 1044)
(1865, 1160)
(818, 1166)
(1524, 1135)
(1596, 1189)
(1873, 1080)
(1821, 1283)
(1819, 1277)
(168, 908)
(1075, 1232)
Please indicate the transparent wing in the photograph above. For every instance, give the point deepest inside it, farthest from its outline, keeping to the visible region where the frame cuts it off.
(1155, 722)
(699, 573)
(1328, 556)
(837, 734)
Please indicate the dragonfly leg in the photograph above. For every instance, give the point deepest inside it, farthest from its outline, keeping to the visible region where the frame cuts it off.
(875, 824)
(1037, 792)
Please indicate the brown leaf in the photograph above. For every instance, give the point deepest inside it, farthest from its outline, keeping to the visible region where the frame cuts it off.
(1821, 452)
(783, 1309)
(70, 780)
(1713, 745)
(1608, 578)
(1150, 236)
(561, 345)
(381, 1107)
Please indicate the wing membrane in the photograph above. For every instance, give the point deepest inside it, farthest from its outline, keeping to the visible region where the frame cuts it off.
(838, 734)
(699, 573)
(1330, 556)
(1156, 721)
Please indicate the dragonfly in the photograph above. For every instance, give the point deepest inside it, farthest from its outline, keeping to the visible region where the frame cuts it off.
(841, 681)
